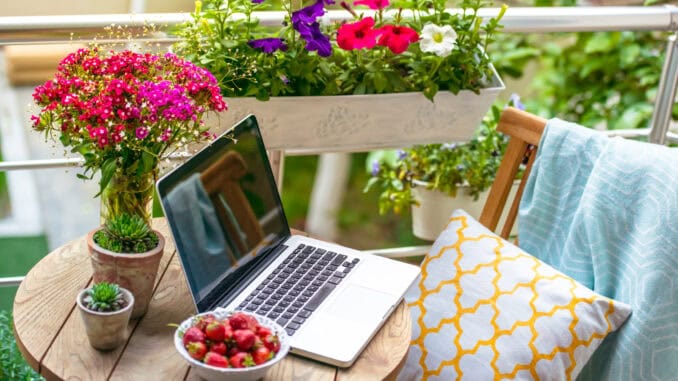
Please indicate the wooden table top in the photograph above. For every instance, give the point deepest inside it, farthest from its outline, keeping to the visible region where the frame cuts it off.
(50, 333)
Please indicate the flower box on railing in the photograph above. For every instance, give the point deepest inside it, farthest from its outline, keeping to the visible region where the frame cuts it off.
(359, 122)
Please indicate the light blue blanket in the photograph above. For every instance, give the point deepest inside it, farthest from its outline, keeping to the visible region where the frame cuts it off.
(605, 211)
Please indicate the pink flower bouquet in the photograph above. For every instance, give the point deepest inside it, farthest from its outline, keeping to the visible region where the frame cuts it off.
(125, 111)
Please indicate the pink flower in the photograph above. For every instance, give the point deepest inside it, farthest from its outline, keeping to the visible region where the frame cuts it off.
(373, 4)
(141, 133)
(358, 35)
(397, 38)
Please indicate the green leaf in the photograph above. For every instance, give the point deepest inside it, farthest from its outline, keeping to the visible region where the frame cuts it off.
(147, 163)
(370, 183)
(634, 116)
(600, 42)
(107, 172)
(629, 54)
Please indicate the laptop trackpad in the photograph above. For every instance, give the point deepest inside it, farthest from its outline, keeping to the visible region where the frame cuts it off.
(358, 303)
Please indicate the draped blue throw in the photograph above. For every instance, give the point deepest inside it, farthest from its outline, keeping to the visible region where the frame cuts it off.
(605, 211)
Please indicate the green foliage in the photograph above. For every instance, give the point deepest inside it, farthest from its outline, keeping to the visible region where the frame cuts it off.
(12, 364)
(125, 233)
(444, 167)
(218, 41)
(104, 297)
(604, 79)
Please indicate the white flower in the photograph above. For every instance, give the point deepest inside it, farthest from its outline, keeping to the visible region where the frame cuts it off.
(439, 40)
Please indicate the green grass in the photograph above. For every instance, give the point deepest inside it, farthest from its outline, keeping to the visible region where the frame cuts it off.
(18, 255)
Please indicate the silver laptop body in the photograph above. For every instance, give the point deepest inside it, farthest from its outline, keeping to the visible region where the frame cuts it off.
(237, 252)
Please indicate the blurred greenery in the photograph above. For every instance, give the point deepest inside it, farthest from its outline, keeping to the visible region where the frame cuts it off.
(4, 193)
(359, 223)
(17, 256)
(12, 364)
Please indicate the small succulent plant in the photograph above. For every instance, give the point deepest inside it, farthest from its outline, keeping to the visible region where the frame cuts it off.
(104, 297)
(126, 233)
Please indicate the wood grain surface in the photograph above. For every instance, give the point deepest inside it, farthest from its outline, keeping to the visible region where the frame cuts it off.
(51, 334)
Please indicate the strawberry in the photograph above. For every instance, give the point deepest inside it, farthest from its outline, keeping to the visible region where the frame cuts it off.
(241, 360)
(263, 331)
(241, 320)
(215, 359)
(215, 331)
(192, 335)
(196, 350)
(232, 351)
(272, 343)
(257, 343)
(219, 347)
(202, 321)
(228, 333)
(261, 355)
(244, 339)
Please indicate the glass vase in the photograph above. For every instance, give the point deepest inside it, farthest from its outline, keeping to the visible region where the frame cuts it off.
(129, 194)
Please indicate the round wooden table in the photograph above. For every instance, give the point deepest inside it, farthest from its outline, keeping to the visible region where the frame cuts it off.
(51, 336)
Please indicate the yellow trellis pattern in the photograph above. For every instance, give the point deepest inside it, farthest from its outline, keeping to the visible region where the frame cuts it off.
(558, 323)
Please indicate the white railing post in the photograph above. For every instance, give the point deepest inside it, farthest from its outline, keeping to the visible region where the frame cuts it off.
(666, 94)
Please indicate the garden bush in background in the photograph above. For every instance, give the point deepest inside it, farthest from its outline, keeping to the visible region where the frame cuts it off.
(12, 364)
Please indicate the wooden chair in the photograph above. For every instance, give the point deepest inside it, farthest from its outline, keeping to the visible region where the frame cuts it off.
(524, 131)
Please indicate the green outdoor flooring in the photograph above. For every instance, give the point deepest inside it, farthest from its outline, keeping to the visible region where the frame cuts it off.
(18, 255)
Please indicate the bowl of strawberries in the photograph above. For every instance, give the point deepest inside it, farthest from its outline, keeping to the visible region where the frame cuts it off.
(233, 346)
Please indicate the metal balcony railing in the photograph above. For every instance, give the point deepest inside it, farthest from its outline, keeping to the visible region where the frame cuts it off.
(60, 29)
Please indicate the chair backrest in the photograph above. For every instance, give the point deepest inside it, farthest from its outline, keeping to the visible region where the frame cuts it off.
(524, 131)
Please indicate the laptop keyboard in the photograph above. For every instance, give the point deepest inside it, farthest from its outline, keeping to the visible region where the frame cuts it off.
(295, 289)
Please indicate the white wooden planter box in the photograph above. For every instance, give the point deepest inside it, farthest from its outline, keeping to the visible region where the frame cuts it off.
(362, 122)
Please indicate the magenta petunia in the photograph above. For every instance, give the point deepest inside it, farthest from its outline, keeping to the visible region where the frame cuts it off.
(358, 35)
(397, 38)
(373, 4)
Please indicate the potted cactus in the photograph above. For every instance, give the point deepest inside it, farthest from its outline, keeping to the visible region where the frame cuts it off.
(105, 309)
(126, 251)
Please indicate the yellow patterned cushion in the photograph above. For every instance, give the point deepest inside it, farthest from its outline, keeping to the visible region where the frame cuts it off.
(485, 310)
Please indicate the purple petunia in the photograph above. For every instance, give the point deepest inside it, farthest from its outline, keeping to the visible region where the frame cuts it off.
(257, 1)
(268, 45)
(308, 14)
(315, 40)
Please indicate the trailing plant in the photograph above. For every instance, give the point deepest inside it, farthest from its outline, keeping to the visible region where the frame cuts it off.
(104, 297)
(12, 364)
(126, 233)
(403, 46)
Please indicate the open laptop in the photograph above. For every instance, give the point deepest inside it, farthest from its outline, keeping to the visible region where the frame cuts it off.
(237, 252)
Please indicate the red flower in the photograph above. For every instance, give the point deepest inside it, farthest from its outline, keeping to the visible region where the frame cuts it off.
(357, 35)
(373, 4)
(397, 38)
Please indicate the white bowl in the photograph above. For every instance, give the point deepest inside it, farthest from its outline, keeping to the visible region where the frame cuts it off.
(212, 373)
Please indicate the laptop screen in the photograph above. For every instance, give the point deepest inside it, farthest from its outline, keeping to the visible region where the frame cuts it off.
(224, 211)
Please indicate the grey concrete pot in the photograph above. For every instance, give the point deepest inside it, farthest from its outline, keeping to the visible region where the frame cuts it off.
(106, 330)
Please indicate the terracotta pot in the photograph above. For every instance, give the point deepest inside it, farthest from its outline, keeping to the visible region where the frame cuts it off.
(106, 330)
(135, 272)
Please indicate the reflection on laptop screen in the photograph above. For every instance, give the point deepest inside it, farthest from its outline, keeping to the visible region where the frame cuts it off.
(224, 210)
